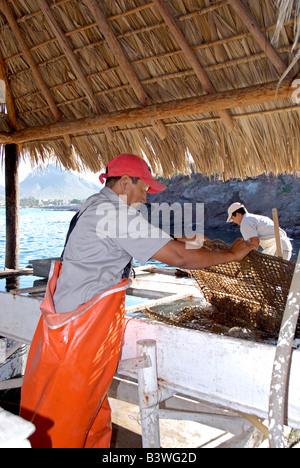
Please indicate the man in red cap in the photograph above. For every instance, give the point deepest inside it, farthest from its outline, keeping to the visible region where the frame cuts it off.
(107, 234)
(102, 243)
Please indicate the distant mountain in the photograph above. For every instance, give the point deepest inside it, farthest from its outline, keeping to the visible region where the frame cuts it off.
(56, 184)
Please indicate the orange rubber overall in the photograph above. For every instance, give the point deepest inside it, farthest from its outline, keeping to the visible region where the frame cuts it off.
(71, 363)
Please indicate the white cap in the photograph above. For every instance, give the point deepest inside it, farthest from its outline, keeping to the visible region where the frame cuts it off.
(234, 207)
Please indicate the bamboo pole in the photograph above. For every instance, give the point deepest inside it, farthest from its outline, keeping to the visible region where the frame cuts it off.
(208, 103)
(277, 233)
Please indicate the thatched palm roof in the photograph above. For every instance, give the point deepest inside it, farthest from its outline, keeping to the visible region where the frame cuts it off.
(180, 81)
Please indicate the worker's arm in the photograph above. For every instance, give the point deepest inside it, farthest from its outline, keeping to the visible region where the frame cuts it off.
(174, 253)
(255, 242)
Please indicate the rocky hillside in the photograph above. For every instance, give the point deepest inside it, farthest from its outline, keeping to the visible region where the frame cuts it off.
(259, 195)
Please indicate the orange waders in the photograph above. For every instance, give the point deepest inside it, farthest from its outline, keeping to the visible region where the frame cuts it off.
(71, 363)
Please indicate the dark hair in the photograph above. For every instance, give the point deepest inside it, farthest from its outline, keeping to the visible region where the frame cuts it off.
(111, 181)
(240, 210)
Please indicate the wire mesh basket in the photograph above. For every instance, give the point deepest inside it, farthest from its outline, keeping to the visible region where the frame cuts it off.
(244, 299)
(254, 290)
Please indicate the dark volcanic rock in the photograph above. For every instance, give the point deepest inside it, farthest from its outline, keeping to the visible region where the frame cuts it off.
(259, 195)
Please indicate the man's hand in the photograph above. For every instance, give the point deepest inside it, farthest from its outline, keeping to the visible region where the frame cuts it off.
(240, 249)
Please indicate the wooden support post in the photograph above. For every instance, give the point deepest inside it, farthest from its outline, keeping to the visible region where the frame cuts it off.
(12, 207)
(148, 395)
(282, 364)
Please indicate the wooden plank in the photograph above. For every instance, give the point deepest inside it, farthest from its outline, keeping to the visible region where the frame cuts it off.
(157, 302)
(229, 372)
(34, 289)
(12, 272)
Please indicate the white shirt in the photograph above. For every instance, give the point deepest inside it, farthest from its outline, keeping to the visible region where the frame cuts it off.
(258, 226)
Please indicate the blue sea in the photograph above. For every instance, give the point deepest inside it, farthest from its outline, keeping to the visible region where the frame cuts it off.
(43, 232)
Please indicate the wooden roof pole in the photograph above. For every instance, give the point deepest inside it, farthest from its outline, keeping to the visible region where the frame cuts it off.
(6, 138)
(255, 30)
(124, 63)
(72, 60)
(191, 58)
(209, 103)
(35, 71)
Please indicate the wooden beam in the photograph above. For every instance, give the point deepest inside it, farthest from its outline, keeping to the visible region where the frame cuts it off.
(123, 61)
(6, 138)
(209, 103)
(255, 30)
(33, 66)
(69, 54)
(191, 58)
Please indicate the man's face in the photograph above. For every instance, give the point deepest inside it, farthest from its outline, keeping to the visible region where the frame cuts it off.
(136, 193)
(237, 218)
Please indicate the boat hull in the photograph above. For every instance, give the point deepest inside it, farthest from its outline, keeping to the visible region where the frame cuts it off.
(229, 372)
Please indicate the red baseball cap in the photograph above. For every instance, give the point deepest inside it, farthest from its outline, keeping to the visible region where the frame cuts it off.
(133, 166)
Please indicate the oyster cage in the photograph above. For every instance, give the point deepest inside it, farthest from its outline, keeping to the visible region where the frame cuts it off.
(244, 299)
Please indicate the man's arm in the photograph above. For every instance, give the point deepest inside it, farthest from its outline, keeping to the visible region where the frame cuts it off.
(174, 253)
(255, 242)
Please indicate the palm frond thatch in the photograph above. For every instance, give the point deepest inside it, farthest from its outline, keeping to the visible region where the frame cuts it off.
(64, 67)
